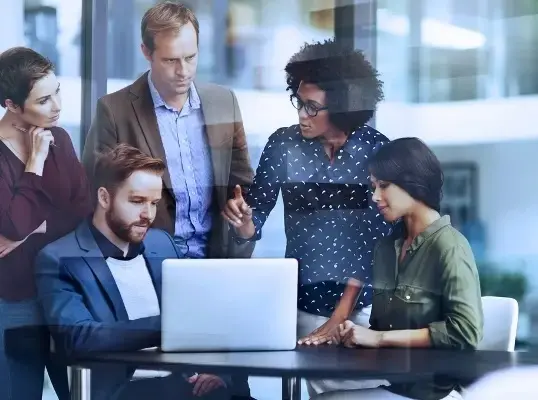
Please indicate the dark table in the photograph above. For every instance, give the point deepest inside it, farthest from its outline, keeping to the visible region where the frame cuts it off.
(310, 363)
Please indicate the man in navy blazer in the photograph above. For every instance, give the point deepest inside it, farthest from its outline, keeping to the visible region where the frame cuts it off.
(100, 286)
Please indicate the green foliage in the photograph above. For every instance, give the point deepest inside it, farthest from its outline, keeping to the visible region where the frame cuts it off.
(494, 282)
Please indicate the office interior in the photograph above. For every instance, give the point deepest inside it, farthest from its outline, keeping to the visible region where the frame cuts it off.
(460, 74)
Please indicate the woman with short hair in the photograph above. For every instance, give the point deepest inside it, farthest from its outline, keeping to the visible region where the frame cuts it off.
(44, 194)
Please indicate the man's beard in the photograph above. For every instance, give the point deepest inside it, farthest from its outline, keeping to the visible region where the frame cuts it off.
(123, 230)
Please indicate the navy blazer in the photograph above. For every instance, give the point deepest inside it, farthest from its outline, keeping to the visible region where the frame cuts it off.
(84, 309)
(82, 304)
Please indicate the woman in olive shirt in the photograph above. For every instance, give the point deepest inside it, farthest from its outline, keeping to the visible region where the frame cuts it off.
(426, 286)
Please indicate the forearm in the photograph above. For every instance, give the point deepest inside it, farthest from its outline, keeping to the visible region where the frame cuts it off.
(348, 300)
(405, 338)
(35, 165)
(240, 250)
(251, 231)
(26, 210)
(455, 333)
(92, 336)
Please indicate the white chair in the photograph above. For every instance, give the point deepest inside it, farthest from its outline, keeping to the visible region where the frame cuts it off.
(500, 323)
(499, 333)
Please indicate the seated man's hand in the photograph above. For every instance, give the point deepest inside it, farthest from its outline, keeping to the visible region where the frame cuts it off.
(326, 333)
(205, 383)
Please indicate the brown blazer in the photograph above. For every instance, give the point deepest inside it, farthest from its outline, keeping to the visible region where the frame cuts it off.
(128, 116)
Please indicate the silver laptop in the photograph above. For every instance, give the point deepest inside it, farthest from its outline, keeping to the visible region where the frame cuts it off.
(229, 304)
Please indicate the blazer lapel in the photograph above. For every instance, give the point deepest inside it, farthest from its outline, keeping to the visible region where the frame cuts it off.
(97, 263)
(145, 113)
(154, 264)
(103, 274)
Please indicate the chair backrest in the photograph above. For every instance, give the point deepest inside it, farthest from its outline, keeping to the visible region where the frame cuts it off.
(500, 323)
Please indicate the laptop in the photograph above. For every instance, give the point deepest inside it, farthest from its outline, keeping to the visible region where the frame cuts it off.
(229, 304)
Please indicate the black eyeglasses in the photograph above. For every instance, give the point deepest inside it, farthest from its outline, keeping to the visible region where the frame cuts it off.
(310, 108)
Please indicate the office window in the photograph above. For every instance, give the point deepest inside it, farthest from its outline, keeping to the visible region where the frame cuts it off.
(53, 29)
(254, 39)
(394, 49)
(521, 25)
(452, 41)
(456, 50)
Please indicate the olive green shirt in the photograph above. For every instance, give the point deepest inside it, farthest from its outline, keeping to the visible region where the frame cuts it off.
(436, 286)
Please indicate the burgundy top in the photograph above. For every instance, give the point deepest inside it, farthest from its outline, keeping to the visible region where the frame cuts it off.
(61, 196)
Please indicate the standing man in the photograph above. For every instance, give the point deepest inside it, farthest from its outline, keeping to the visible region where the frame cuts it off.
(196, 128)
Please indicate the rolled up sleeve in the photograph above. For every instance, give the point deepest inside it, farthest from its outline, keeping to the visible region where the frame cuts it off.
(461, 302)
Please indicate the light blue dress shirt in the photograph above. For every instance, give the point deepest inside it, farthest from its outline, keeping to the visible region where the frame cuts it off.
(191, 172)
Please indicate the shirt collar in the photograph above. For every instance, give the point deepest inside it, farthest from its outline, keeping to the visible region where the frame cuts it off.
(356, 140)
(193, 100)
(426, 234)
(354, 143)
(111, 250)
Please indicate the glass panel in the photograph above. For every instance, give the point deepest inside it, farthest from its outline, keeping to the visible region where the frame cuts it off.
(394, 48)
(521, 19)
(53, 29)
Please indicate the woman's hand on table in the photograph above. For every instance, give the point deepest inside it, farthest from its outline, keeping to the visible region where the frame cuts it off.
(325, 334)
(351, 335)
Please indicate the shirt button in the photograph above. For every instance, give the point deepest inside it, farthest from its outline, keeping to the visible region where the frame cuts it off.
(390, 299)
(390, 326)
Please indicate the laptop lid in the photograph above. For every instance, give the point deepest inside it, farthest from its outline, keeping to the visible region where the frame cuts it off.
(229, 304)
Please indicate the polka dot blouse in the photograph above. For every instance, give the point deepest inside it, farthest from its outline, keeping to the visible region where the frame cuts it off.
(331, 224)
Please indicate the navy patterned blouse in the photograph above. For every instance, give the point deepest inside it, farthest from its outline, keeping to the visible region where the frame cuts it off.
(331, 223)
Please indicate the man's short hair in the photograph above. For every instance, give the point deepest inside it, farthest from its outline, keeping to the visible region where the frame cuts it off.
(350, 82)
(165, 17)
(116, 165)
(20, 68)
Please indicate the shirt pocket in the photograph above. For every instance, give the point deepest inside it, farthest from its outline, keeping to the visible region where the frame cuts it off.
(417, 307)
